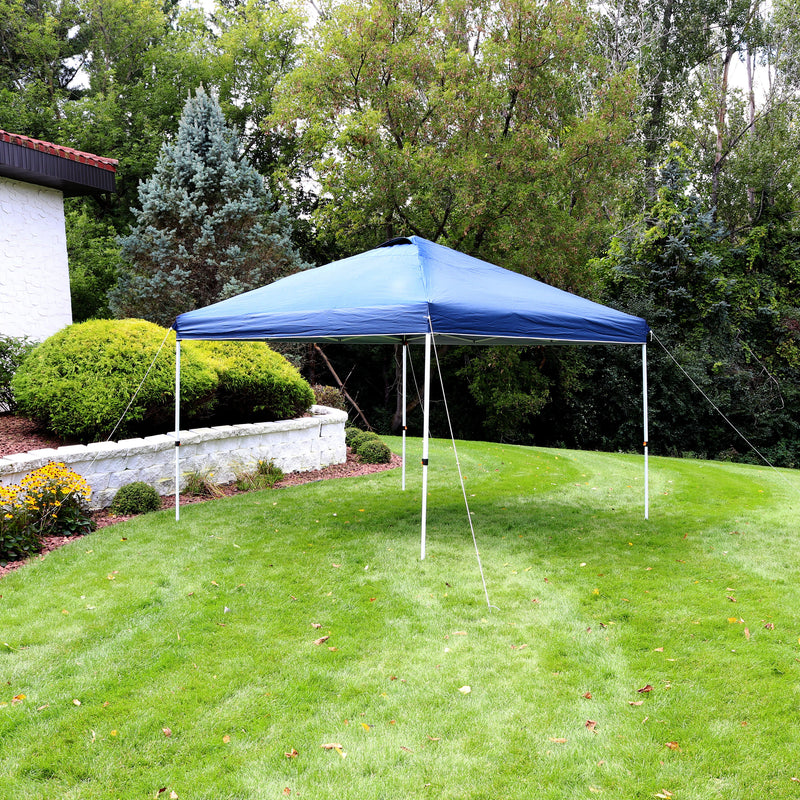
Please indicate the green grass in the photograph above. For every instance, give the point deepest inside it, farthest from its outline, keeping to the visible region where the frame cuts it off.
(204, 628)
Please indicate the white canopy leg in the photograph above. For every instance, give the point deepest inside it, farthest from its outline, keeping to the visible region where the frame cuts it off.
(425, 436)
(405, 356)
(646, 433)
(177, 429)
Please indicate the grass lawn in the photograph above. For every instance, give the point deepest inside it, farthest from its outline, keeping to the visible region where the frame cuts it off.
(624, 658)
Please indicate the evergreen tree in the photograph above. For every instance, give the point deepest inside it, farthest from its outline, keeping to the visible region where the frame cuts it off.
(206, 229)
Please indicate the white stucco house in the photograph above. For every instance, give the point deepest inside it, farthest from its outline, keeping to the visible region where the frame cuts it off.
(35, 177)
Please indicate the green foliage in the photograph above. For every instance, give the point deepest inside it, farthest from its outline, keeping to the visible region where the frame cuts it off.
(255, 384)
(353, 437)
(12, 353)
(79, 382)
(508, 387)
(201, 484)
(206, 229)
(373, 451)
(93, 264)
(50, 501)
(135, 498)
(265, 476)
(496, 130)
(330, 396)
(726, 312)
(19, 536)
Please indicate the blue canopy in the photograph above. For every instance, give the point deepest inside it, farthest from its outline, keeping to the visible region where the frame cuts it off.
(407, 288)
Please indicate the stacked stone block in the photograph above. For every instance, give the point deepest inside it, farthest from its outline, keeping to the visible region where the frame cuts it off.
(297, 445)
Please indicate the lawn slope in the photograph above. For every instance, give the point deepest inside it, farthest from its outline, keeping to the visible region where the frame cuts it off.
(217, 657)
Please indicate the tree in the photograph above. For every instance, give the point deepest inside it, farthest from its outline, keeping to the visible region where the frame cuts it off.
(726, 311)
(492, 127)
(205, 230)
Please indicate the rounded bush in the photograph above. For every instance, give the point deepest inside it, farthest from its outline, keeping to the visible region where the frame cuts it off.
(355, 437)
(255, 384)
(79, 382)
(135, 498)
(374, 451)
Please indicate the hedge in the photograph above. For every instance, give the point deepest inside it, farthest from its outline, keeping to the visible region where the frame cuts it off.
(79, 382)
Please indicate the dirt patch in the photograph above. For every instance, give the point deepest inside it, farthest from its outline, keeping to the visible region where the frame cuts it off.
(19, 434)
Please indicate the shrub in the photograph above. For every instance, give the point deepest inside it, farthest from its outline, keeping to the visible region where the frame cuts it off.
(18, 538)
(79, 382)
(52, 500)
(265, 476)
(354, 437)
(329, 396)
(58, 500)
(135, 498)
(255, 384)
(374, 451)
(12, 353)
(201, 484)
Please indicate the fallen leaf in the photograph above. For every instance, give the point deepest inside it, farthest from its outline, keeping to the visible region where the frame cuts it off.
(459, 633)
(17, 699)
(292, 753)
(663, 794)
(659, 650)
(408, 750)
(673, 745)
(465, 690)
(635, 702)
(76, 702)
(173, 795)
(287, 791)
(588, 696)
(226, 739)
(731, 598)
(591, 725)
(770, 626)
(747, 634)
(321, 640)
(365, 726)
(167, 732)
(331, 746)
(644, 689)
(316, 625)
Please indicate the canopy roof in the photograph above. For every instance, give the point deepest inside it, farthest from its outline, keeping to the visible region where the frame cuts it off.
(404, 289)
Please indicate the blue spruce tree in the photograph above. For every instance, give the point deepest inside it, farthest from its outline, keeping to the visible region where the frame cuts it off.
(206, 229)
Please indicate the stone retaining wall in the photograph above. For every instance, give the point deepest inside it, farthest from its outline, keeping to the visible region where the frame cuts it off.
(295, 445)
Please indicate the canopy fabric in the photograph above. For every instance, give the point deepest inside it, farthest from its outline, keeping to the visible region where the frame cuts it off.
(405, 289)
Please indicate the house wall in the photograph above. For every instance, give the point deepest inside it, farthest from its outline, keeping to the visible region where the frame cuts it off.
(34, 275)
(295, 445)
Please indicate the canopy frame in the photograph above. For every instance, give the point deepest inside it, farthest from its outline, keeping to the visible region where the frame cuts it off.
(435, 314)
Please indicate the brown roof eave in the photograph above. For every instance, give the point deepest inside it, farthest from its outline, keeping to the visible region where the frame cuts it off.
(71, 172)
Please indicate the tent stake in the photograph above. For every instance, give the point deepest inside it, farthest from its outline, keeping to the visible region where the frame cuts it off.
(425, 435)
(177, 429)
(646, 433)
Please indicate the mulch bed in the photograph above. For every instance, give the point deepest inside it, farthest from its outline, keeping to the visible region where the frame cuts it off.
(18, 435)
